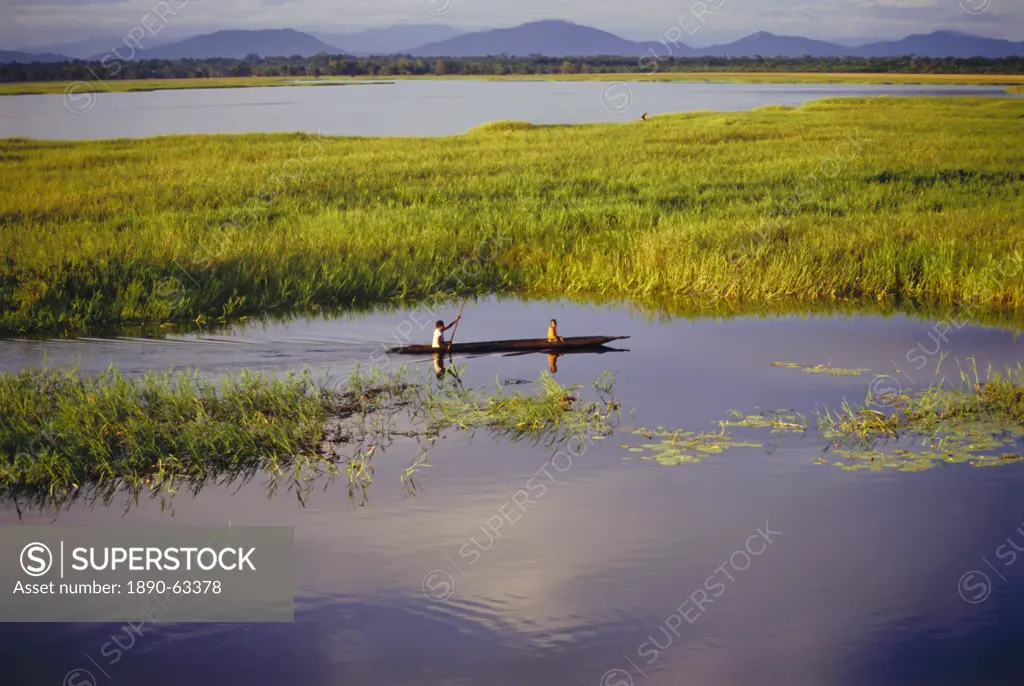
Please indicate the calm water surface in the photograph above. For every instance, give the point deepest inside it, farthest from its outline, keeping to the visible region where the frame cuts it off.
(401, 108)
(860, 587)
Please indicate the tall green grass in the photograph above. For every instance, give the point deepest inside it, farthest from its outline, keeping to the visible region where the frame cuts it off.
(66, 435)
(896, 201)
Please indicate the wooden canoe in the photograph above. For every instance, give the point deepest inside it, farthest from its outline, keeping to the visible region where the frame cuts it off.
(516, 345)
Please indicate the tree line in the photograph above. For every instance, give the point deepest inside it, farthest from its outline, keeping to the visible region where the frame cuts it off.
(501, 65)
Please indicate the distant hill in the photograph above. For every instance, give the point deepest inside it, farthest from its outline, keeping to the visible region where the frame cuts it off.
(770, 45)
(390, 40)
(943, 44)
(238, 44)
(555, 38)
(90, 47)
(28, 57)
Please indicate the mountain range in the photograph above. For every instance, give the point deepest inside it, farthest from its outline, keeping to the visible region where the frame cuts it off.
(549, 38)
(390, 40)
(238, 44)
(558, 38)
(7, 56)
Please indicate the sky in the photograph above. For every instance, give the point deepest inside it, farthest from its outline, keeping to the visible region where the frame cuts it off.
(35, 22)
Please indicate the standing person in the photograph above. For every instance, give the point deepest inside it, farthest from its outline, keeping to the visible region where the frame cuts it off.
(553, 333)
(439, 330)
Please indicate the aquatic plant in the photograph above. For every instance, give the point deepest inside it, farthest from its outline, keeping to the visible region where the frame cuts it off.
(977, 422)
(682, 447)
(821, 369)
(779, 421)
(66, 436)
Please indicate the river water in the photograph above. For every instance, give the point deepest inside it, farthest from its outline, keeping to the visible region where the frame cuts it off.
(828, 576)
(400, 108)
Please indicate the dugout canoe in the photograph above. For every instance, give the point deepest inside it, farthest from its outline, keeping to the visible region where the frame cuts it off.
(511, 346)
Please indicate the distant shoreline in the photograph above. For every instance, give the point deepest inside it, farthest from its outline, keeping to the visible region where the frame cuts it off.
(1014, 83)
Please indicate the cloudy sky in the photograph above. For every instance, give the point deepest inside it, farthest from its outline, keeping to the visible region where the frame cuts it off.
(28, 22)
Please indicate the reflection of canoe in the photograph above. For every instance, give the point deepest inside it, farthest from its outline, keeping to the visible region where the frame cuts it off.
(521, 344)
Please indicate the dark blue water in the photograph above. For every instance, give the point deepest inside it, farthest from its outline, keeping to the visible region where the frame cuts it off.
(755, 566)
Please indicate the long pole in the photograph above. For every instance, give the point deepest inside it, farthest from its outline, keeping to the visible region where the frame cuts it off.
(455, 330)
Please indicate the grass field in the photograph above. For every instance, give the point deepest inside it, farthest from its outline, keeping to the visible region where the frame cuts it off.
(896, 201)
(132, 85)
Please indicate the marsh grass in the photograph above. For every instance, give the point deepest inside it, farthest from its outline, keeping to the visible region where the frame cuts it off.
(66, 436)
(898, 201)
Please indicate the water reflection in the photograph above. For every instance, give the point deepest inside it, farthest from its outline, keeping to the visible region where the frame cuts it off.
(862, 586)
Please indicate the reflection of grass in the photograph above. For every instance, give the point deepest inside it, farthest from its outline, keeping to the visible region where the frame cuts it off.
(64, 435)
(821, 369)
(730, 208)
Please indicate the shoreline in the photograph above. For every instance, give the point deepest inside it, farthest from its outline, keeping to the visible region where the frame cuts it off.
(149, 85)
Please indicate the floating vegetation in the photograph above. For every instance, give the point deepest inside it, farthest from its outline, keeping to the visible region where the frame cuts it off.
(66, 436)
(821, 369)
(682, 447)
(779, 421)
(980, 423)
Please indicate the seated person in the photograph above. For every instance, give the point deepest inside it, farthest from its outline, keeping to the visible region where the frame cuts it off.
(553, 333)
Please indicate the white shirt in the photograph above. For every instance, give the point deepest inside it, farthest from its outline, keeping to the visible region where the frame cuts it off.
(438, 338)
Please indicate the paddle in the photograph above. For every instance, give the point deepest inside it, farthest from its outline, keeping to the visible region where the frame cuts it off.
(455, 330)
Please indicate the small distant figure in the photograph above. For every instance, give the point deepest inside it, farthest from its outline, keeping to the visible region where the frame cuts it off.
(553, 333)
(439, 330)
(643, 117)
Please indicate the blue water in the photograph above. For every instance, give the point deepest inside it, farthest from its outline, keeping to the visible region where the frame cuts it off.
(401, 108)
(606, 577)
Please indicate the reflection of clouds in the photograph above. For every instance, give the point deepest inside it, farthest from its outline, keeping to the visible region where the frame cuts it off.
(593, 568)
(843, 575)
(858, 558)
(866, 561)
